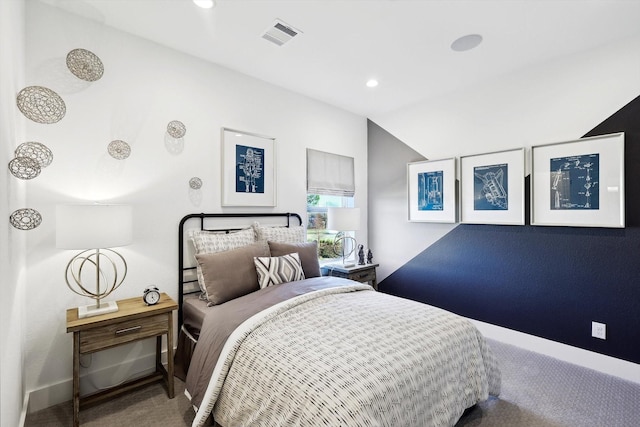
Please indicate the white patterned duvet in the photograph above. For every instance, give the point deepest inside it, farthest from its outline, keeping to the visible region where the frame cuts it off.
(345, 355)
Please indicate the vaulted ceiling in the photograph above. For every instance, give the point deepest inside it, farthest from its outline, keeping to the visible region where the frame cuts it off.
(404, 44)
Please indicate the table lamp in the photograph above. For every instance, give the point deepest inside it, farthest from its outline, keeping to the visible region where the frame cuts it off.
(343, 220)
(95, 229)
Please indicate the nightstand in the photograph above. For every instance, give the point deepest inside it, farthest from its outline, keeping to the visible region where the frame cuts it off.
(360, 273)
(133, 321)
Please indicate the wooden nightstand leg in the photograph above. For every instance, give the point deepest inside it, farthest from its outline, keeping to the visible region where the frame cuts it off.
(159, 367)
(76, 379)
(170, 357)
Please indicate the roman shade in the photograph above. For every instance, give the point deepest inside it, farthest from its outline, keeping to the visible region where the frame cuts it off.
(330, 174)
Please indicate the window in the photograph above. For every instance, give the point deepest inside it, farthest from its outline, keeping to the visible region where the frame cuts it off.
(317, 205)
(330, 183)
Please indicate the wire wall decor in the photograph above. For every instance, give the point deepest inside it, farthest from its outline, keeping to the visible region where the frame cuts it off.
(176, 129)
(24, 168)
(195, 183)
(25, 219)
(36, 151)
(85, 65)
(119, 149)
(41, 104)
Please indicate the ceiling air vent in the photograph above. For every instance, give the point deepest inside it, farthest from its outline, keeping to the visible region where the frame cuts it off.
(280, 33)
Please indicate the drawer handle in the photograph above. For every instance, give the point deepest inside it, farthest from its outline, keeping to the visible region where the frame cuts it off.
(128, 330)
(362, 276)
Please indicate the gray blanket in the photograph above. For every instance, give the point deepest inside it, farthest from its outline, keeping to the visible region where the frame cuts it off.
(328, 351)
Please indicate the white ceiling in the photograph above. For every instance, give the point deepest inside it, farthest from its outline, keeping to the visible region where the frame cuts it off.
(405, 44)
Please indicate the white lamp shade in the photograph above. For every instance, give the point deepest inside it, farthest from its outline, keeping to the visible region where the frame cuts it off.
(343, 219)
(93, 226)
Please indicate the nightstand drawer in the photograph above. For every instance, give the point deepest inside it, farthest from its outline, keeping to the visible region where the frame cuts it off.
(360, 273)
(363, 276)
(119, 333)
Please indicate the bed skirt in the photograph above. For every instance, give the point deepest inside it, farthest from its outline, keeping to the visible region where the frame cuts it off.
(184, 352)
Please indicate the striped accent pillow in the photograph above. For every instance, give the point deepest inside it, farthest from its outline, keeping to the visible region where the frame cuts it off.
(277, 270)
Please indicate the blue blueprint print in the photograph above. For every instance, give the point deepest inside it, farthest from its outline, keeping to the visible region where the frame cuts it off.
(430, 187)
(491, 188)
(249, 169)
(575, 182)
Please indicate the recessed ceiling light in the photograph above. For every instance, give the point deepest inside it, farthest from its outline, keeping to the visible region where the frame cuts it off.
(372, 83)
(205, 4)
(467, 42)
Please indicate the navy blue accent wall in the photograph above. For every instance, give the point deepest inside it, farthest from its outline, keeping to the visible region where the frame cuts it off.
(549, 282)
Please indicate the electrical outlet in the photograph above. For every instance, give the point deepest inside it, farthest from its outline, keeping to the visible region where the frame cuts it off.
(599, 330)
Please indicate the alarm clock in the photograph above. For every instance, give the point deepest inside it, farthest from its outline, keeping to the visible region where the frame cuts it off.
(151, 295)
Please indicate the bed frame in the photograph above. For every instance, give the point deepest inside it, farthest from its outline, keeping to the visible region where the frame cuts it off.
(227, 223)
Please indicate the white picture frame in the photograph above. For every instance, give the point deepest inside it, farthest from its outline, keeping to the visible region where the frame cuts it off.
(492, 187)
(431, 191)
(248, 169)
(579, 183)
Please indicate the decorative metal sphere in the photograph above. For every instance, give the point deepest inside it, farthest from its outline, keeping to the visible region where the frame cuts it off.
(25, 219)
(111, 274)
(119, 149)
(85, 65)
(195, 183)
(40, 104)
(176, 129)
(36, 151)
(24, 168)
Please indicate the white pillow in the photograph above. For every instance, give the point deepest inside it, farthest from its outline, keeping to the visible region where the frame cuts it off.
(296, 234)
(278, 270)
(208, 242)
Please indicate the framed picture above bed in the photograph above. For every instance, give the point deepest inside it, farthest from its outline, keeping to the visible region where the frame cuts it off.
(248, 169)
(432, 190)
(579, 183)
(492, 188)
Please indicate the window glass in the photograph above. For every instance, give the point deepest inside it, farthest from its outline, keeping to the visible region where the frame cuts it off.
(317, 205)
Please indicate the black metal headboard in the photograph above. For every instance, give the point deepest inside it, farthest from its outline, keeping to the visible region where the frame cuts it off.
(219, 222)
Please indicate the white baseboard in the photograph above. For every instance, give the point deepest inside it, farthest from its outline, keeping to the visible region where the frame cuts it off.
(91, 382)
(23, 413)
(588, 359)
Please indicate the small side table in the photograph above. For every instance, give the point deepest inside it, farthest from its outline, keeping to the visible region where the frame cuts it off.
(360, 273)
(133, 321)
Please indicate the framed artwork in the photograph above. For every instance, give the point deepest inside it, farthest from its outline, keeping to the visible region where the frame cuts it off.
(432, 190)
(248, 169)
(579, 183)
(492, 188)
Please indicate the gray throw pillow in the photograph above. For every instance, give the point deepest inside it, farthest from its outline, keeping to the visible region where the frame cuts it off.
(308, 253)
(231, 274)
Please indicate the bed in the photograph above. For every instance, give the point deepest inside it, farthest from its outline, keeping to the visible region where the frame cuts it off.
(292, 348)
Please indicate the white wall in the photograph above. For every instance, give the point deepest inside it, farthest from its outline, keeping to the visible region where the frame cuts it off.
(557, 101)
(12, 241)
(144, 87)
